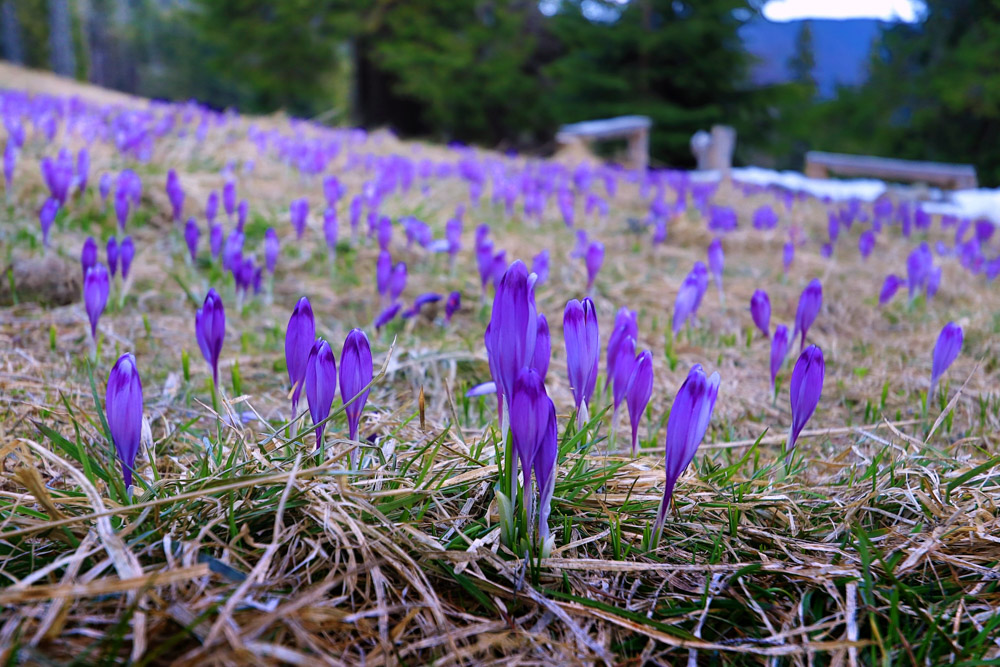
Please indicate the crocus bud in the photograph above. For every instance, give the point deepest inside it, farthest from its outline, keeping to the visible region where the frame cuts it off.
(583, 349)
(242, 210)
(866, 243)
(582, 243)
(300, 334)
(760, 311)
(383, 272)
(9, 163)
(624, 365)
(272, 246)
(946, 350)
(88, 256)
(383, 232)
(123, 406)
(484, 262)
(543, 348)
(387, 315)
(513, 327)
(355, 376)
(112, 250)
(890, 286)
(787, 256)
(215, 240)
(420, 302)
(212, 207)
(810, 302)
(96, 285)
(595, 258)
(210, 330)
(716, 261)
(330, 229)
(321, 384)
(121, 207)
(779, 349)
(82, 169)
(804, 392)
(229, 198)
(640, 388)
(686, 302)
(191, 236)
(626, 324)
(46, 216)
(689, 417)
(104, 186)
(127, 255)
(175, 193)
(535, 439)
(452, 305)
(331, 190)
(299, 212)
(933, 281)
(765, 218)
(540, 267)
(397, 280)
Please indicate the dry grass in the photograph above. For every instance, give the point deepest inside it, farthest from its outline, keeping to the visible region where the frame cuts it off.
(880, 545)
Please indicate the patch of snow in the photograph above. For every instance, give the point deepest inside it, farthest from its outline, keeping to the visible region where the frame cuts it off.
(982, 203)
(839, 190)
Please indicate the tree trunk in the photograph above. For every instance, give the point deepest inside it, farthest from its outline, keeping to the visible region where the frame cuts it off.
(63, 60)
(10, 29)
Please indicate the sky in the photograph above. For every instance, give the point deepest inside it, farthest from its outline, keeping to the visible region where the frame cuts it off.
(887, 10)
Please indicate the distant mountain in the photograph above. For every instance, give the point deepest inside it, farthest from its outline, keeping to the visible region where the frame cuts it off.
(842, 50)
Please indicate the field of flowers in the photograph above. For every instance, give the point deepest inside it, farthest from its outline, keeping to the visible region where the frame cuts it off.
(325, 396)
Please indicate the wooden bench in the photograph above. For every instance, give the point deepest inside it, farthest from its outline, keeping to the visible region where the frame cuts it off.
(949, 176)
(633, 128)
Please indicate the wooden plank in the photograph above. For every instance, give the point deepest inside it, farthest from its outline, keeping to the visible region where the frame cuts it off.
(606, 128)
(936, 173)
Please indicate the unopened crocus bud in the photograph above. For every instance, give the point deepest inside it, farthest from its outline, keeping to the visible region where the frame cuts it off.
(890, 286)
(787, 256)
(321, 384)
(779, 349)
(866, 243)
(212, 207)
(9, 163)
(229, 198)
(540, 267)
(533, 431)
(452, 305)
(96, 286)
(355, 376)
(82, 169)
(272, 246)
(626, 324)
(640, 388)
(215, 240)
(760, 311)
(242, 210)
(716, 261)
(583, 350)
(104, 186)
(543, 348)
(46, 216)
(330, 229)
(805, 389)
(175, 192)
(686, 302)
(946, 350)
(210, 330)
(299, 212)
(595, 259)
(127, 255)
(513, 327)
(420, 302)
(112, 254)
(300, 334)
(810, 302)
(191, 236)
(689, 417)
(121, 207)
(123, 406)
(624, 365)
(88, 255)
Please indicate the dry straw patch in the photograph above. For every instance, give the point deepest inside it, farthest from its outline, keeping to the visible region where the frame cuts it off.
(881, 544)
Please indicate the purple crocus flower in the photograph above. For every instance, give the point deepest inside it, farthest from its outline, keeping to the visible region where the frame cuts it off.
(232, 254)
(123, 406)
(397, 280)
(320, 379)
(383, 232)
(810, 301)
(582, 243)
(452, 305)
(229, 198)
(272, 246)
(484, 262)
(534, 437)
(387, 315)
(46, 216)
(787, 256)
(212, 207)
(946, 350)
(686, 426)
(933, 281)
(540, 267)
(330, 230)
(583, 351)
(299, 212)
(498, 267)
(543, 347)
(331, 190)
(127, 251)
(82, 170)
(418, 303)
(175, 192)
(88, 255)
(779, 349)
(595, 258)
(104, 186)
(210, 330)
(686, 303)
(765, 218)
(890, 286)
(215, 240)
(9, 163)
(121, 207)
(716, 262)
(640, 388)
(242, 210)
(626, 325)
(96, 286)
(513, 328)
(919, 264)
(760, 311)
(300, 334)
(191, 236)
(624, 365)
(112, 251)
(866, 243)
(804, 392)
(383, 273)
(355, 376)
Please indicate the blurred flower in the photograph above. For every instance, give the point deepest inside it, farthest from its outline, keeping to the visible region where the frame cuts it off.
(779, 349)
(112, 253)
(175, 193)
(212, 207)
(946, 350)
(788, 254)
(595, 258)
(543, 348)
(127, 255)
(420, 302)
(88, 255)
(299, 211)
(540, 267)
(191, 235)
(46, 216)
(383, 272)
(272, 246)
(452, 305)
(215, 240)
(96, 286)
(716, 262)
(760, 311)
(866, 243)
(810, 302)
(890, 286)
(387, 315)
(765, 218)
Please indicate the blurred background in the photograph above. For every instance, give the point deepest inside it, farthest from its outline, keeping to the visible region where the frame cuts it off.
(896, 78)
